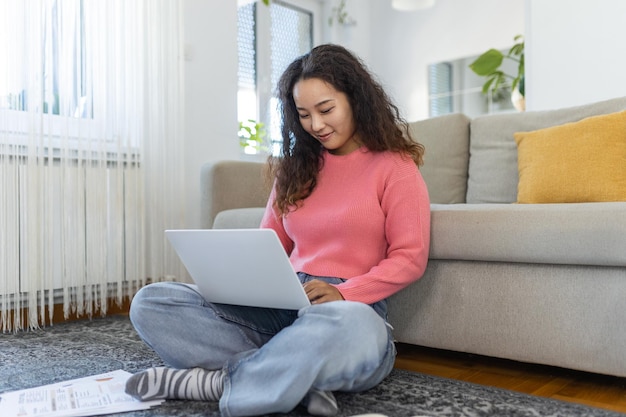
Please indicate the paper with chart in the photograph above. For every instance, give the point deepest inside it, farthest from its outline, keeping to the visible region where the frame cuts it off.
(90, 396)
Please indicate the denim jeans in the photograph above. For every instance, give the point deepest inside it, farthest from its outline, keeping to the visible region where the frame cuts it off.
(271, 357)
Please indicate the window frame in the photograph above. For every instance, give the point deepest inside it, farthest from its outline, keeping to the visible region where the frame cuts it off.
(62, 131)
(264, 88)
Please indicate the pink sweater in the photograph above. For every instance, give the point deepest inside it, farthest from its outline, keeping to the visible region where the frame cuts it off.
(367, 221)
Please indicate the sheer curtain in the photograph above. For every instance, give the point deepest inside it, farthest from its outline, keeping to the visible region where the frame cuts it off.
(90, 160)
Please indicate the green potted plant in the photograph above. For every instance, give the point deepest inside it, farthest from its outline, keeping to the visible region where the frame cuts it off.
(252, 134)
(488, 65)
(340, 15)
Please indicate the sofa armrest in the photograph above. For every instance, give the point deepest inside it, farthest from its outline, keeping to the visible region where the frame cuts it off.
(232, 184)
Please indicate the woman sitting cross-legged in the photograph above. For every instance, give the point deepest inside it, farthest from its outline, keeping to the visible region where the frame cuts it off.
(352, 211)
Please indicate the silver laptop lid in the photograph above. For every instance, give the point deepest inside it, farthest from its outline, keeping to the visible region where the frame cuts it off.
(239, 266)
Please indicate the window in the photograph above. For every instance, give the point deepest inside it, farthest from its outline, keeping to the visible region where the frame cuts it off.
(454, 87)
(269, 39)
(440, 87)
(61, 40)
(67, 66)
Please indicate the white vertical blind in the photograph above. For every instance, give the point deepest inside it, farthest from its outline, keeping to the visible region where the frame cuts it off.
(90, 167)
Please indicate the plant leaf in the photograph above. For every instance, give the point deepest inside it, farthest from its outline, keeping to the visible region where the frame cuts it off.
(517, 49)
(499, 81)
(488, 84)
(487, 62)
(514, 84)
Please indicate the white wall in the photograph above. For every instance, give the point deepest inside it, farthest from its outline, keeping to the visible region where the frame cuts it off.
(575, 52)
(403, 44)
(210, 92)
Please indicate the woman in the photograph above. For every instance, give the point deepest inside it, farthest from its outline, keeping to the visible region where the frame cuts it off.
(351, 209)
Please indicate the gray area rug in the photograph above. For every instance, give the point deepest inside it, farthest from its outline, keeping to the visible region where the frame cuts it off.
(78, 349)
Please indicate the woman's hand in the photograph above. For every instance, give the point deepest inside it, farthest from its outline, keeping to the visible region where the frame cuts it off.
(321, 292)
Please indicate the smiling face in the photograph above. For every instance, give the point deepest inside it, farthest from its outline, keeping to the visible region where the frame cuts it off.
(326, 114)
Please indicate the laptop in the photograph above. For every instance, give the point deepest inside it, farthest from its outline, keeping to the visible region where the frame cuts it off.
(246, 267)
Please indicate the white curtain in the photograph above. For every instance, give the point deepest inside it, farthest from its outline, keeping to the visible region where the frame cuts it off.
(90, 156)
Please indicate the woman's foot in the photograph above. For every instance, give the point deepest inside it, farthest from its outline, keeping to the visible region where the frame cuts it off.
(180, 384)
(321, 403)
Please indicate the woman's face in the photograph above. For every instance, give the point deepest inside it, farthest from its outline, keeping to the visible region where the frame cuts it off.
(326, 114)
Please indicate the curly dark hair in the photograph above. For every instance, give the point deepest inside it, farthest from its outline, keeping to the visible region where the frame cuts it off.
(379, 125)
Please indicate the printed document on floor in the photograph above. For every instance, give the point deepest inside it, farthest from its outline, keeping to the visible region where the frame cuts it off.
(90, 396)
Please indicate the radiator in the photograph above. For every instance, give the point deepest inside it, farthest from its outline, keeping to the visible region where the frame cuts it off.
(69, 229)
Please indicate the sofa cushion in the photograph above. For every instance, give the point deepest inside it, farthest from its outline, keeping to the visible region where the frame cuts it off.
(446, 159)
(576, 162)
(493, 174)
(574, 234)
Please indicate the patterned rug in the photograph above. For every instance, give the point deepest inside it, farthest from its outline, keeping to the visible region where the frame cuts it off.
(78, 349)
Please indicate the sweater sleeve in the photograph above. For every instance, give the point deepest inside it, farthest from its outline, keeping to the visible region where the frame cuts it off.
(406, 206)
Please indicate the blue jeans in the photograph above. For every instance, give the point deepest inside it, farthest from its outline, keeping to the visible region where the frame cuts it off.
(271, 357)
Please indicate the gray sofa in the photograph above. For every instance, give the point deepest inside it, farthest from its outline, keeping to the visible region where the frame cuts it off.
(537, 283)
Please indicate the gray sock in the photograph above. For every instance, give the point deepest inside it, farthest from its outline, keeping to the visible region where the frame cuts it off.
(321, 403)
(180, 384)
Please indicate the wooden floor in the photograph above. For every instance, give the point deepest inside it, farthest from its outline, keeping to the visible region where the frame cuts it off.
(561, 384)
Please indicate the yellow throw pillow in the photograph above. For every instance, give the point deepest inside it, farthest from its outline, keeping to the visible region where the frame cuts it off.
(584, 161)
